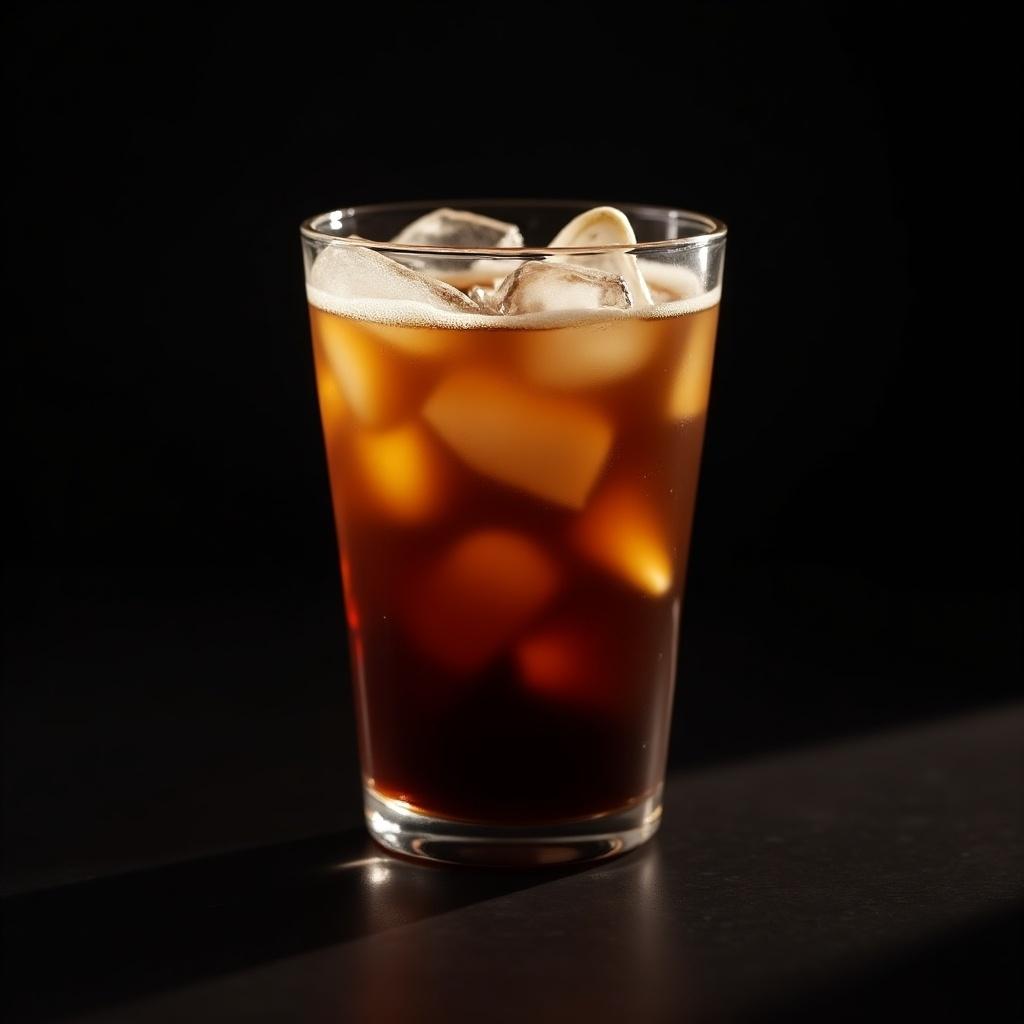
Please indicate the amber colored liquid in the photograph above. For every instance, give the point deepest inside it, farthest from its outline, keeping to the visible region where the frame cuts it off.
(514, 515)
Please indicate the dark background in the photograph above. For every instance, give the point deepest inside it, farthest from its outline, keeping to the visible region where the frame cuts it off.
(176, 676)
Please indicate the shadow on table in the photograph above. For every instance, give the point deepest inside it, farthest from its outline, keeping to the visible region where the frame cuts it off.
(92, 944)
(971, 973)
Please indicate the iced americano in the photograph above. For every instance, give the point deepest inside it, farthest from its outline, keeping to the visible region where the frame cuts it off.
(513, 447)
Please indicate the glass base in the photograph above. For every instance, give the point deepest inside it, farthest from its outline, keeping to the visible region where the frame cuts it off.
(402, 830)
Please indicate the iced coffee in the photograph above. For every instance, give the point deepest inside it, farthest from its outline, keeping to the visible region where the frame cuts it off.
(513, 438)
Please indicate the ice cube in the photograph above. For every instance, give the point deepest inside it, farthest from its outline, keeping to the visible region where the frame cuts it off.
(366, 372)
(483, 297)
(478, 597)
(459, 229)
(621, 532)
(545, 287)
(553, 448)
(561, 659)
(421, 340)
(669, 282)
(333, 407)
(604, 225)
(660, 295)
(403, 473)
(691, 383)
(464, 274)
(570, 358)
(346, 272)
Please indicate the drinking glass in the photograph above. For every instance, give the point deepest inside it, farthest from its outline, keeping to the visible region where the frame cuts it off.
(513, 436)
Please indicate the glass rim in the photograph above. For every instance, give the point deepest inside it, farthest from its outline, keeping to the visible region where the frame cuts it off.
(716, 229)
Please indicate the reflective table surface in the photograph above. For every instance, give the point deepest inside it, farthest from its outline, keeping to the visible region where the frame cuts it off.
(877, 874)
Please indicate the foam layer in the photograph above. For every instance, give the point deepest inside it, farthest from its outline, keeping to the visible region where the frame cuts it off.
(676, 281)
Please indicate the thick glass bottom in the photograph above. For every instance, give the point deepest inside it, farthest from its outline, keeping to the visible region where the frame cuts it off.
(402, 830)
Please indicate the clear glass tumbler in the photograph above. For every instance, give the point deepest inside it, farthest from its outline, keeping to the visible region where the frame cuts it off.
(513, 407)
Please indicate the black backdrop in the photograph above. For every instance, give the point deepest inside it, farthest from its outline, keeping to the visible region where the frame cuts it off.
(176, 674)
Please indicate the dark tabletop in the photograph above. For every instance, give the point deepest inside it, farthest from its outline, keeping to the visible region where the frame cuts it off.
(877, 874)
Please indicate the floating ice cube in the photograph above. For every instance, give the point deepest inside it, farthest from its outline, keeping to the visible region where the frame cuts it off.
(691, 383)
(669, 282)
(620, 531)
(347, 272)
(604, 225)
(366, 373)
(483, 297)
(459, 229)
(545, 287)
(570, 358)
(402, 472)
(660, 295)
(478, 597)
(462, 273)
(553, 448)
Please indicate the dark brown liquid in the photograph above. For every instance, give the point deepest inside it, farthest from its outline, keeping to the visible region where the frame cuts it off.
(514, 516)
